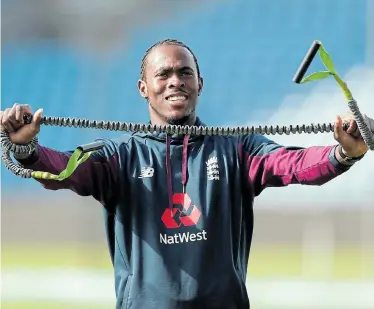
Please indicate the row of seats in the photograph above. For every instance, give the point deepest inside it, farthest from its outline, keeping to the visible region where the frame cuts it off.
(248, 51)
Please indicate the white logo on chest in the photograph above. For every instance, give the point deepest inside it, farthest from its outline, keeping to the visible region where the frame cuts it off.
(212, 168)
(146, 172)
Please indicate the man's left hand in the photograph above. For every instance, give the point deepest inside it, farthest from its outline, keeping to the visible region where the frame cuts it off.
(351, 141)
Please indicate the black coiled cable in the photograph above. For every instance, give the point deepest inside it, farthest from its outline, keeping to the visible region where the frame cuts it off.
(7, 146)
(185, 130)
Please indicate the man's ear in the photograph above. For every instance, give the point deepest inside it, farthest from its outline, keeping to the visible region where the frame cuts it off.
(201, 84)
(142, 86)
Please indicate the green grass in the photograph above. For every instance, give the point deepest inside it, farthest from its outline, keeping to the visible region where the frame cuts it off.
(265, 260)
(349, 262)
(48, 256)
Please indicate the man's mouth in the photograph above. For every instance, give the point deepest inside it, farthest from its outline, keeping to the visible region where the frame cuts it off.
(177, 98)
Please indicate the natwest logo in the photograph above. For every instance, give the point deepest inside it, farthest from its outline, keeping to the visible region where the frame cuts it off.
(173, 218)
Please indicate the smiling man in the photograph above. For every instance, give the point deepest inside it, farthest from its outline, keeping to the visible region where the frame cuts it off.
(171, 83)
(179, 209)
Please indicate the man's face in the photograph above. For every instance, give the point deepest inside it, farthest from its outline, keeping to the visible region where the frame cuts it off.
(171, 85)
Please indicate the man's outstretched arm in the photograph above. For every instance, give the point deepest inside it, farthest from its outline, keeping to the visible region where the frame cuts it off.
(269, 164)
(97, 176)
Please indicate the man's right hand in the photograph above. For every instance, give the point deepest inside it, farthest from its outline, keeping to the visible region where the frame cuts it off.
(12, 121)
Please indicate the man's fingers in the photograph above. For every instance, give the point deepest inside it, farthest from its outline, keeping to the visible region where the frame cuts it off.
(352, 127)
(2, 128)
(12, 113)
(20, 111)
(19, 116)
(12, 117)
(353, 130)
(6, 121)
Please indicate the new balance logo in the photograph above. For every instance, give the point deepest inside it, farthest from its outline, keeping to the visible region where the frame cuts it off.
(146, 172)
(212, 168)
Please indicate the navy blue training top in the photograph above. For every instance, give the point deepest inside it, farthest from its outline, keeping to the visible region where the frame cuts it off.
(178, 209)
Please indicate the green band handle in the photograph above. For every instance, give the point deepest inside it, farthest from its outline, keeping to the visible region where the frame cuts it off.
(361, 120)
(329, 65)
(75, 160)
(80, 155)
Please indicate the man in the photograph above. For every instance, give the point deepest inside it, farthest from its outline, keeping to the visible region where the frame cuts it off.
(179, 214)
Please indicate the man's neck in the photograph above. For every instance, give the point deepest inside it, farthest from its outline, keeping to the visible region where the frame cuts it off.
(186, 121)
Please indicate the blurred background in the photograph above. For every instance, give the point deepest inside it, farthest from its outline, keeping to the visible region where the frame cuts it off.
(313, 247)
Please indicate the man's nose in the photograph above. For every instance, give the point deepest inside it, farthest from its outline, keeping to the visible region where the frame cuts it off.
(176, 81)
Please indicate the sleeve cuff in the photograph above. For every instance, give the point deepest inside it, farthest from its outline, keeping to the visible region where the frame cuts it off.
(334, 161)
(33, 158)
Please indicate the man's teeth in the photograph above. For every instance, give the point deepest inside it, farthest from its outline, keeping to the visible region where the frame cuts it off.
(178, 98)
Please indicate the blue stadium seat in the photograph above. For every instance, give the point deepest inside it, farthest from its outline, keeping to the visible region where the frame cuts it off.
(248, 51)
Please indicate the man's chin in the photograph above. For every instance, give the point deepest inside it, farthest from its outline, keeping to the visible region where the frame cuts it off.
(178, 121)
